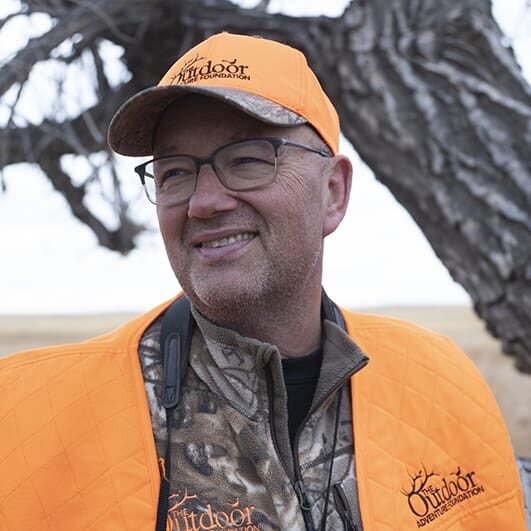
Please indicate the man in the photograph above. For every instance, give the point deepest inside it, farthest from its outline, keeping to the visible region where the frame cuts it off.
(249, 403)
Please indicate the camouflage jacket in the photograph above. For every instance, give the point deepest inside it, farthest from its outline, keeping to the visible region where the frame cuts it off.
(232, 462)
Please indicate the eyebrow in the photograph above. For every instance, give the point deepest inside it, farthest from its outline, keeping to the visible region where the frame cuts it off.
(236, 137)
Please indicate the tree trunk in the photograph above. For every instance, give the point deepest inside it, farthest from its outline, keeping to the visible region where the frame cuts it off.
(437, 107)
(427, 94)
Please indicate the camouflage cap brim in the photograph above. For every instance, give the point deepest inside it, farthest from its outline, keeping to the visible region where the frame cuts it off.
(133, 126)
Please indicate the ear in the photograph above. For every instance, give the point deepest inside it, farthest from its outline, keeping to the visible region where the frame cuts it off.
(339, 181)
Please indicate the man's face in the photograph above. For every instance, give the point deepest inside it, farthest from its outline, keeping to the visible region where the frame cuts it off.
(235, 253)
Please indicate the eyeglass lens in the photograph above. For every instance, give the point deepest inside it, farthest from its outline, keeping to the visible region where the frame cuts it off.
(240, 166)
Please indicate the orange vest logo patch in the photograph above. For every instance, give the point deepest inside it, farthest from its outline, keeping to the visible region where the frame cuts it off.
(430, 495)
(234, 517)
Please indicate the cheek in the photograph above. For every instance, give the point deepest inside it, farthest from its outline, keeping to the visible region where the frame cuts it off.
(295, 180)
(303, 195)
(171, 221)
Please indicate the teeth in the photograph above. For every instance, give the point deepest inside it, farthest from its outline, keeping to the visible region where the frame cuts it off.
(229, 240)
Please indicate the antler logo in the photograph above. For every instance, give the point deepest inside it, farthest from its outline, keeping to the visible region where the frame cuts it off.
(415, 497)
(429, 498)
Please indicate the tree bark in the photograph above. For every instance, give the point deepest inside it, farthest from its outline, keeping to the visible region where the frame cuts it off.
(427, 93)
(438, 108)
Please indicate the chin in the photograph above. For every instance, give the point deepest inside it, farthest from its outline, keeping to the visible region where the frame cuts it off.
(227, 301)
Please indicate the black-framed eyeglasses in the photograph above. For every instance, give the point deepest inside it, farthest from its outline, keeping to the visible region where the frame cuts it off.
(244, 165)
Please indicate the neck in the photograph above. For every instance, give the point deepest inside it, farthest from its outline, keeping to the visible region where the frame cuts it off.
(293, 325)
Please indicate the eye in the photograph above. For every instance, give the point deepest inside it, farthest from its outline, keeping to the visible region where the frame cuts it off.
(176, 172)
(174, 178)
(245, 160)
(173, 172)
(249, 162)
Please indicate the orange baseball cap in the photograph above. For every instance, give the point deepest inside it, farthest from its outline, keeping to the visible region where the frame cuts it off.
(265, 79)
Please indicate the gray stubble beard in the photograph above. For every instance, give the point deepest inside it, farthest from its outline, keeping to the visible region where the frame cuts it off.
(269, 298)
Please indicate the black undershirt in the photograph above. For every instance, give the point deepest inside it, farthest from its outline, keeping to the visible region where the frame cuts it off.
(300, 377)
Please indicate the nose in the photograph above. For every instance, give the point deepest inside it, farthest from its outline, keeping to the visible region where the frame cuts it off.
(210, 196)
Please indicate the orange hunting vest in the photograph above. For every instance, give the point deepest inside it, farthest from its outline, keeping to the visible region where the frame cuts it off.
(77, 449)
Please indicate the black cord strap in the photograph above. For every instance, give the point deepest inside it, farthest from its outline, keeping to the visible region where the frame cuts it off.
(322, 527)
(175, 339)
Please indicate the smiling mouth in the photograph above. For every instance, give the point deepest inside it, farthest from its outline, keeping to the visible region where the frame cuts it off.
(229, 240)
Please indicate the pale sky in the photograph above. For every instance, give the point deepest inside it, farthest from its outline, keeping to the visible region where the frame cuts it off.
(50, 263)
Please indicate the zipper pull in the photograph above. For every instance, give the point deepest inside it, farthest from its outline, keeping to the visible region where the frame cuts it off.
(302, 496)
(343, 508)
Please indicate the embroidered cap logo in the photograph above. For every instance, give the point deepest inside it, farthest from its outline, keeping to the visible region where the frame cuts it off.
(197, 69)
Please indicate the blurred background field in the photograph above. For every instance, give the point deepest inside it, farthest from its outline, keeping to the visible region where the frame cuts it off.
(511, 388)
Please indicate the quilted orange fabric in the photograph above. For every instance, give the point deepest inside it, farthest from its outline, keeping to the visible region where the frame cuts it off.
(77, 449)
(432, 450)
(76, 445)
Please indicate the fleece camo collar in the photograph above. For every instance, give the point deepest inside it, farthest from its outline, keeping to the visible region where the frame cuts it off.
(231, 359)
